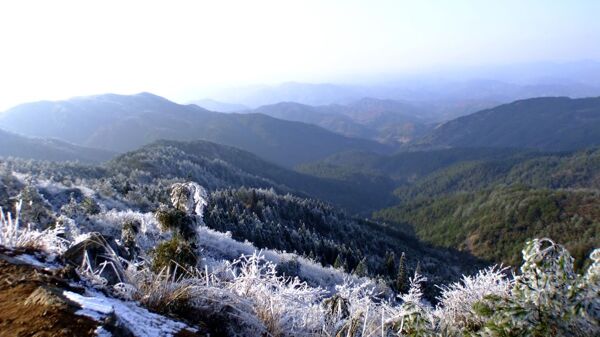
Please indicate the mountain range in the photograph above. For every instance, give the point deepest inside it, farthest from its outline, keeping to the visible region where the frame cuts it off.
(121, 123)
(386, 121)
(490, 84)
(213, 105)
(303, 178)
(14, 145)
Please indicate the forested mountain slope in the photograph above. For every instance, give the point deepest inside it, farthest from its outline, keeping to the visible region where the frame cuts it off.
(219, 166)
(492, 207)
(546, 123)
(123, 123)
(14, 145)
(402, 167)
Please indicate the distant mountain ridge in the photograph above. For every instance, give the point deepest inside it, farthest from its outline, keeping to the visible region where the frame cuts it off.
(497, 84)
(386, 121)
(213, 105)
(547, 123)
(122, 123)
(14, 145)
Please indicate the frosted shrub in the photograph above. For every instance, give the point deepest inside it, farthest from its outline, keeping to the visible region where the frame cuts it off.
(414, 317)
(548, 298)
(286, 306)
(455, 309)
(160, 291)
(13, 235)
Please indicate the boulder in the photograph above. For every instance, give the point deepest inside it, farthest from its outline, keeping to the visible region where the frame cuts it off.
(98, 254)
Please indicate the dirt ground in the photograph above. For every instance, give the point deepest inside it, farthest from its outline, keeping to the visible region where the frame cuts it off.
(32, 304)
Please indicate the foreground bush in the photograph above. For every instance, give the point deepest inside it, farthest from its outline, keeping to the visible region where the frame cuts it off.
(547, 298)
(248, 297)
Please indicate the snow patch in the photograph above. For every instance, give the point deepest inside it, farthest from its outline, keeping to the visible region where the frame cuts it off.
(101, 332)
(32, 260)
(138, 320)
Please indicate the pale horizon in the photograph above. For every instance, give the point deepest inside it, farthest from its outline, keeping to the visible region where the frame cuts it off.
(185, 50)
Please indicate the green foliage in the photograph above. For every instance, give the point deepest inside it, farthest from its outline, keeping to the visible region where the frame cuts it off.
(548, 298)
(390, 263)
(494, 224)
(580, 170)
(177, 221)
(129, 232)
(340, 263)
(36, 210)
(174, 254)
(362, 269)
(90, 206)
(401, 281)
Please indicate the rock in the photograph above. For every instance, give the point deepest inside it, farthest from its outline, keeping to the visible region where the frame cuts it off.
(97, 254)
(47, 296)
(129, 233)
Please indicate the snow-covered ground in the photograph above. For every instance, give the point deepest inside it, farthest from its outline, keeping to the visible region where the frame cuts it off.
(138, 320)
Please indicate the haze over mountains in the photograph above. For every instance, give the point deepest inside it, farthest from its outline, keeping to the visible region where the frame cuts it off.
(362, 156)
(387, 121)
(121, 123)
(292, 134)
(14, 145)
(493, 84)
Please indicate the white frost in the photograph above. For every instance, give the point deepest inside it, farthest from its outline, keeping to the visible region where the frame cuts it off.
(138, 320)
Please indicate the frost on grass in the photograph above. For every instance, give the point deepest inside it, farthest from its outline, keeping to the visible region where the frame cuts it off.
(14, 235)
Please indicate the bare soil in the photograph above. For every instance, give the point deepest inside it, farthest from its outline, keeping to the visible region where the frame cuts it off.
(32, 304)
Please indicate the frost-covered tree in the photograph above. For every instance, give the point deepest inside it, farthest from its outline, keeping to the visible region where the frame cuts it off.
(400, 283)
(548, 298)
(362, 268)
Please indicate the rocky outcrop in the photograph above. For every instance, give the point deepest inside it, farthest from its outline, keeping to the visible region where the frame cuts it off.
(99, 255)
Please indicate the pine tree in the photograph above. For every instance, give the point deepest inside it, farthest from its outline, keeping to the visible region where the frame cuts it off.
(340, 263)
(390, 263)
(362, 269)
(401, 276)
(418, 268)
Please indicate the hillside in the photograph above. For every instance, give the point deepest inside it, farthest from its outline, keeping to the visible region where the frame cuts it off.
(548, 123)
(579, 170)
(491, 207)
(493, 224)
(122, 123)
(132, 177)
(313, 229)
(103, 199)
(218, 166)
(328, 117)
(14, 145)
(402, 167)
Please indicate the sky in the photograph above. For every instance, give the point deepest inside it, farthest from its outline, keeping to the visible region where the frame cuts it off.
(179, 49)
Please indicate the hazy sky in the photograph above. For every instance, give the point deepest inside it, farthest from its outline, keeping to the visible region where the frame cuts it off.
(58, 49)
